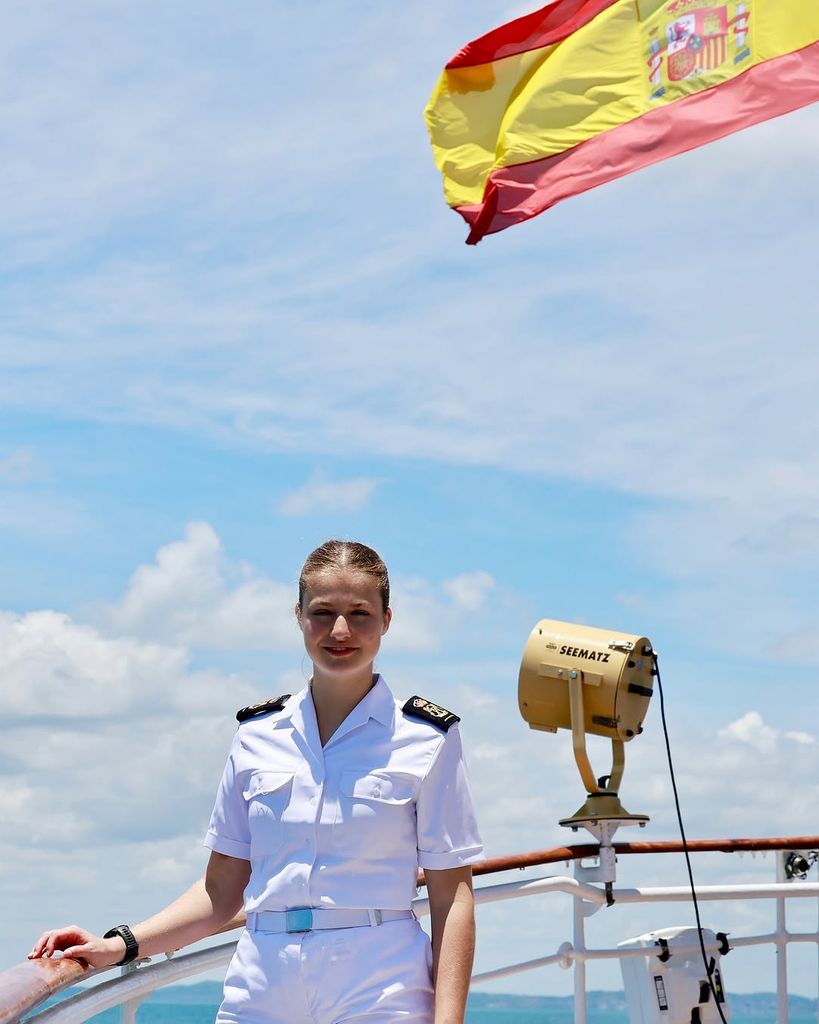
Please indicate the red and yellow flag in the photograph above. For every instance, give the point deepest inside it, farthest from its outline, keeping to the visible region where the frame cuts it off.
(585, 91)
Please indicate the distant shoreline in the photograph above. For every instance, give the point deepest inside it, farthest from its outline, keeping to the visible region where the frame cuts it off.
(754, 1004)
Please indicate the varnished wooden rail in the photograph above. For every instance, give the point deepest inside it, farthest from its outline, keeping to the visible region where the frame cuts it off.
(582, 850)
(27, 985)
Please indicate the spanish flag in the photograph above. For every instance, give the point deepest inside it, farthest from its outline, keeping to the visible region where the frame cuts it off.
(585, 91)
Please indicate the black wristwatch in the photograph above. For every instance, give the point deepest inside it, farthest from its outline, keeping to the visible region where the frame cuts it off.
(131, 944)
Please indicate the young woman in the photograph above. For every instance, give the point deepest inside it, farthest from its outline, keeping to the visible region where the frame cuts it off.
(330, 801)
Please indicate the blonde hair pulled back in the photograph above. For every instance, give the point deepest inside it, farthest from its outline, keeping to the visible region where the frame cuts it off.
(346, 554)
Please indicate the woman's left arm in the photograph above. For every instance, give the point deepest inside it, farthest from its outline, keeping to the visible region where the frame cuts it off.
(452, 910)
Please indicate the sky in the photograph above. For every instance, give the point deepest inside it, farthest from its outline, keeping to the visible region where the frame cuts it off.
(237, 318)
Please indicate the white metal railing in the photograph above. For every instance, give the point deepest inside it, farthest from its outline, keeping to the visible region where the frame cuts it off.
(137, 981)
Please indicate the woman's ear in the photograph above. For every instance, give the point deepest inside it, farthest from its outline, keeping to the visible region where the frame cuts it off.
(387, 620)
(298, 614)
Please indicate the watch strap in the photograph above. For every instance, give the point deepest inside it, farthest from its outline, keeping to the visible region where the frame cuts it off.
(131, 944)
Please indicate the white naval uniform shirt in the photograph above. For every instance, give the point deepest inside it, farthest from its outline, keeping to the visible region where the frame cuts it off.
(347, 825)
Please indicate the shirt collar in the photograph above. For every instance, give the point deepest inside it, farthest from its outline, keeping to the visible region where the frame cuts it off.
(300, 716)
(377, 704)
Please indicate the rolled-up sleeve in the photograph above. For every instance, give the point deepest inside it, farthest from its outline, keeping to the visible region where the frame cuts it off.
(448, 835)
(228, 831)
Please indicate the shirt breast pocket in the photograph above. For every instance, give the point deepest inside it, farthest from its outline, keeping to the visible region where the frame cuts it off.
(376, 814)
(268, 796)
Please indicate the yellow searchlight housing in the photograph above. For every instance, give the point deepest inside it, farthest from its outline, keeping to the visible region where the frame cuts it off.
(590, 681)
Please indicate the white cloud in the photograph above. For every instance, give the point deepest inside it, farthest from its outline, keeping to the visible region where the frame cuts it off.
(194, 595)
(416, 623)
(426, 614)
(469, 590)
(799, 737)
(53, 667)
(320, 495)
(752, 730)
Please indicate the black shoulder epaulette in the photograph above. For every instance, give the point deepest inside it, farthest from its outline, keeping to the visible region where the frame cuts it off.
(420, 707)
(274, 704)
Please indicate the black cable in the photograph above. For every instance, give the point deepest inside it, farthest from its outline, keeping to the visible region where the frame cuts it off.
(708, 969)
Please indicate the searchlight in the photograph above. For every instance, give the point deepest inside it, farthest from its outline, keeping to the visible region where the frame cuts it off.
(590, 681)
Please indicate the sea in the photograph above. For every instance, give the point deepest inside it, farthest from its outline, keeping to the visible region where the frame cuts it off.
(174, 1013)
(197, 1004)
(168, 1013)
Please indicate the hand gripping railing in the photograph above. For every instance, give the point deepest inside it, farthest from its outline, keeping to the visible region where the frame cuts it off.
(28, 985)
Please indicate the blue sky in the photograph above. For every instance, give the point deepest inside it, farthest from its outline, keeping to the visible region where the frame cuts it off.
(237, 318)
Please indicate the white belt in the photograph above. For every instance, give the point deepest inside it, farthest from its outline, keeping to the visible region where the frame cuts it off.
(308, 919)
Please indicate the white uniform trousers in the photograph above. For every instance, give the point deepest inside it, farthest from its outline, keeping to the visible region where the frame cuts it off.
(377, 975)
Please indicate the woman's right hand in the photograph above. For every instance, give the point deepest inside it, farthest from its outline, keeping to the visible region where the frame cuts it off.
(79, 944)
(210, 902)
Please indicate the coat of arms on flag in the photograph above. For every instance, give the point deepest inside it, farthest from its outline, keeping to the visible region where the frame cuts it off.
(691, 38)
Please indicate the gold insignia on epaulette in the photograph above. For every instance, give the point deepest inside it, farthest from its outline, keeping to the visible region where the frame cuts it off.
(265, 707)
(419, 707)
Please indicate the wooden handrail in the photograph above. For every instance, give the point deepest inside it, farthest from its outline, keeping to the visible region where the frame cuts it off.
(27, 985)
(581, 850)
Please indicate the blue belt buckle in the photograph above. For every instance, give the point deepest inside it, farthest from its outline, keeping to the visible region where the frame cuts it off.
(299, 920)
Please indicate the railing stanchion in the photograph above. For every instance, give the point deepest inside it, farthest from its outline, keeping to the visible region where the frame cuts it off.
(128, 1011)
(781, 947)
(579, 943)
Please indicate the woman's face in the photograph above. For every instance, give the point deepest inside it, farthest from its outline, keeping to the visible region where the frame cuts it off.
(342, 620)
